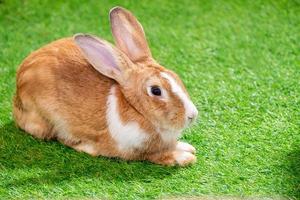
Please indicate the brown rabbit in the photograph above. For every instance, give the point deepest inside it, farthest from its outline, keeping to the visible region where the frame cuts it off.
(106, 100)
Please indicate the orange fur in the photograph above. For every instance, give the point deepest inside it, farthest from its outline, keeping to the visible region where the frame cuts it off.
(60, 95)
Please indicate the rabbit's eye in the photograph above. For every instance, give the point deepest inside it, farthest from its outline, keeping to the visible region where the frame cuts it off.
(155, 90)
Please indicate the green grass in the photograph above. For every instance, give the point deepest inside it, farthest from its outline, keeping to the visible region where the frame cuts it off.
(240, 61)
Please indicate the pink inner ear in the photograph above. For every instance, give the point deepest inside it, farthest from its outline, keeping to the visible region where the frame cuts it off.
(124, 37)
(97, 53)
(101, 53)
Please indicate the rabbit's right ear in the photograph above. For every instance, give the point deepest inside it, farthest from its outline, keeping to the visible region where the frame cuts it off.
(129, 35)
(103, 56)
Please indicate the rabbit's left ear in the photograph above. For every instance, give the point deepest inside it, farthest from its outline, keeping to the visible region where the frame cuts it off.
(106, 59)
(129, 35)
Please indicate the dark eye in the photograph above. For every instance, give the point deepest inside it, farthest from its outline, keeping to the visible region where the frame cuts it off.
(155, 90)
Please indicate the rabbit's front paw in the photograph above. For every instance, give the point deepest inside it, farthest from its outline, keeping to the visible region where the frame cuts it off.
(184, 158)
(182, 146)
(171, 158)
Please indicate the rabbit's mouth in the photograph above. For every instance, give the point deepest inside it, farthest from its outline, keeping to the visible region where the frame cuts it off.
(191, 120)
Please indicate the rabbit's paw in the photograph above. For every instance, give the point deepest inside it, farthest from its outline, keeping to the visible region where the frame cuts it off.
(184, 158)
(182, 146)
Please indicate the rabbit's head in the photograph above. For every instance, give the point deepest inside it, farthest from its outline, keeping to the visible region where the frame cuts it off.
(154, 91)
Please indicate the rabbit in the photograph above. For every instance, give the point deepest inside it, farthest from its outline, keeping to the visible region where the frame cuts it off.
(106, 100)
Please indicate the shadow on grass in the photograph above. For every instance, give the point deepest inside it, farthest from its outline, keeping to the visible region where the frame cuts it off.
(293, 172)
(29, 161)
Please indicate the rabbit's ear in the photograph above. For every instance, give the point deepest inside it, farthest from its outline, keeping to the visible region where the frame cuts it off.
(129, 35)
(103, 56)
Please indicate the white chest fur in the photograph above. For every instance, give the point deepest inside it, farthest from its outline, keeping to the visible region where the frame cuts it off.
(127, 136)
(169, 136)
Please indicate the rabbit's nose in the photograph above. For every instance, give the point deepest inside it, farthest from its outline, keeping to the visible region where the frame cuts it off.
(192, 116)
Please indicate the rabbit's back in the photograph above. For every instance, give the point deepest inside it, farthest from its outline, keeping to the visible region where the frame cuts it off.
(58, 89)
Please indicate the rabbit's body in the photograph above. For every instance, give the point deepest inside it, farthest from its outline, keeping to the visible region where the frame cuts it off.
(62, 95)
(45, 82)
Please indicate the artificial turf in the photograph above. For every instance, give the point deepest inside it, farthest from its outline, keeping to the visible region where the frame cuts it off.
(240, 61)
